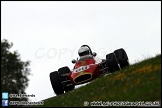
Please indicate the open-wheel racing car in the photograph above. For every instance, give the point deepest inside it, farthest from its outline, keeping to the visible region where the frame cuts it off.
(87, 68)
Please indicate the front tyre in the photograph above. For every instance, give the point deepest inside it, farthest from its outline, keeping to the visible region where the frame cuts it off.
(67, 85)
(64, 70)
(56, 83)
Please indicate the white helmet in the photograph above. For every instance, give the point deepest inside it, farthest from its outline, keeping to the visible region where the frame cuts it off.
(83, 50)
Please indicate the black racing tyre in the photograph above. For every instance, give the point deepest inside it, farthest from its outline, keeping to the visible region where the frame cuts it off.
(64, 78)
(64, 70)
(112, 62)
(63, 73)
(56, 83)
(122, 57)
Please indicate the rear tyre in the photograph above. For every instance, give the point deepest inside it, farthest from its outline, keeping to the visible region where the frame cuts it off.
(122, 57)
(56, 83)
(67, 85)
(112, 62)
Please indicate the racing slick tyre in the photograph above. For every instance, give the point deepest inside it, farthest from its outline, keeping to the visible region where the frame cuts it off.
(122, 57)
(67, 85)
(64, 70)
(56, 83)
(112, 62)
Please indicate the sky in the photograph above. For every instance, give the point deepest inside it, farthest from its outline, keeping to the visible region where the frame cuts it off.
(49, 33)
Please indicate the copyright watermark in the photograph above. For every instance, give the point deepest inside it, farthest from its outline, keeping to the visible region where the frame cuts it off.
(60, 53)
(25, 103)
(7, 102)
(6, 95)
(86, 103)
(21, 95)
(53, 53)
(122, 103)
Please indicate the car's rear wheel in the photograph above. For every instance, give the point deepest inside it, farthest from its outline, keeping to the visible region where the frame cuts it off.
(68, 86)
(56, 83)
(112, 63)
(122, 57)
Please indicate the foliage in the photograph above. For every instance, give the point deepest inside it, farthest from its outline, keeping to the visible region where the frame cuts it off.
(14, 71)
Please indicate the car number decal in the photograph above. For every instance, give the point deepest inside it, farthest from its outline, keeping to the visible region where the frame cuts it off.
(80, 69)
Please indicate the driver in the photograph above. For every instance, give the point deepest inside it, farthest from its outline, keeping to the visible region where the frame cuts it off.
(84, 52)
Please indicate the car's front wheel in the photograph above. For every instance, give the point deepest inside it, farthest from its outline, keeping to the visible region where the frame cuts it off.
(67, 85)
(56, 83)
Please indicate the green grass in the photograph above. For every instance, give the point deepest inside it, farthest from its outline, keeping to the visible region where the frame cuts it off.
(138, 82)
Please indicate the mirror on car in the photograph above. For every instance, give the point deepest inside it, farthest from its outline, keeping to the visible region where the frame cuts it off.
(94, 54)
(73, 61)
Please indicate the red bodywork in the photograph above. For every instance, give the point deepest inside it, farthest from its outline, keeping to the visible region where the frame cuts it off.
(84, 71)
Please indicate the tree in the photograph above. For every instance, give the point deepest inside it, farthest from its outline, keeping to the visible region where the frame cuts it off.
(14, 72)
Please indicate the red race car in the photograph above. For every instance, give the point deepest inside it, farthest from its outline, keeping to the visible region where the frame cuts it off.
(87, 68)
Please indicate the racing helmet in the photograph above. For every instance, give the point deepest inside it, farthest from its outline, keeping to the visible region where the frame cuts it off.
(83, 50)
